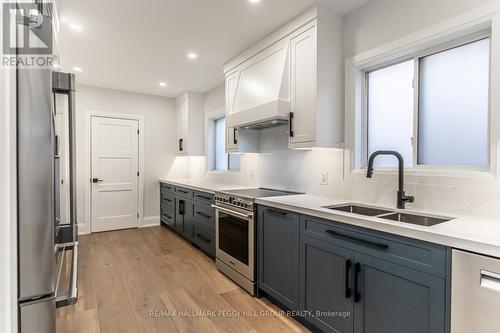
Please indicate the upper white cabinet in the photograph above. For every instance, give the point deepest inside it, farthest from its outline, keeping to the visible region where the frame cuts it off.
(303, 72)
(190, 124)
(293, 76)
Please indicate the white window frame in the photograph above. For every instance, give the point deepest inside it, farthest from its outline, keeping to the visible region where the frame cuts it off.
(416, 96)
(210, 119)
(483, 22)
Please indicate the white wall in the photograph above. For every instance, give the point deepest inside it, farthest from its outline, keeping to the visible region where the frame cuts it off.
(382, 21)
(374, 24)
(159, 140)
(215, 98)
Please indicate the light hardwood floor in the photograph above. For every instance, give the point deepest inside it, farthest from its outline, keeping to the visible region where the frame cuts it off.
(129, 280)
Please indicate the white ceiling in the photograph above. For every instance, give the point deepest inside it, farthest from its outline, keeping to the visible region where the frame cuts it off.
(132, 45)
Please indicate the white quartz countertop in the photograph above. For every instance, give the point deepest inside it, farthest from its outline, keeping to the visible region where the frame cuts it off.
(203, 184)
(470, 233)
(475, 234)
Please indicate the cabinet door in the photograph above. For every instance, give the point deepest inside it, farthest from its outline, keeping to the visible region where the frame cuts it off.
(187, 227)
(326, 290)
(182, 124)
(180, 211)
(278, 242)
(395, 299)
(303, 59)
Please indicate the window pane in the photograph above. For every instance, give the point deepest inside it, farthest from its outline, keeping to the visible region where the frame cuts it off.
(390, 112)
(220, 139)
(453, 106)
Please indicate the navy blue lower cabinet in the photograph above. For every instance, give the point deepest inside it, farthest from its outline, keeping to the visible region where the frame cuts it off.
(326, 285)
(278, 255)
(390, 298)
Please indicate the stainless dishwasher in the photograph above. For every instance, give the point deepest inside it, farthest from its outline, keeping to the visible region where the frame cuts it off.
(475, 293)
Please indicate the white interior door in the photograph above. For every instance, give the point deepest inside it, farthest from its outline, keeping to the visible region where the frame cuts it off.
(114, 174)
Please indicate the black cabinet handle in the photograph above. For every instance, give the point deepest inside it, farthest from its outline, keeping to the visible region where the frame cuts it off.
(291, 124)
(167, 216)
(56, 148)
(182, 207)
(203, 197)
(203, 237)
(180, 145)
(182, 191)
(167, 200)
(348, 291)
(204, 215)
(357, 270)
(277, 212)
(358, 240)
(235, 141)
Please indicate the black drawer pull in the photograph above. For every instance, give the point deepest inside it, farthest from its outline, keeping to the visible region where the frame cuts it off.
(277, 212)
(204, 215)
(181, 148)
(182, 191)
(358, 240)
(204, 238)
(167, 200)
(347, 269)
(203, 197)
(357, 270)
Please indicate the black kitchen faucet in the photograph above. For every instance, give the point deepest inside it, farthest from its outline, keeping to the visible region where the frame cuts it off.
(402, 198)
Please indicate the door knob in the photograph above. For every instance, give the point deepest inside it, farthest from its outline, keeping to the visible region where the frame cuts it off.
(96, 180)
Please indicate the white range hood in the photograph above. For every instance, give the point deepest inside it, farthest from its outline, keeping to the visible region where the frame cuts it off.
(258, 93)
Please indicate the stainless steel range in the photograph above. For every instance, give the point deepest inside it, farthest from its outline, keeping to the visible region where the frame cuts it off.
(235, 233)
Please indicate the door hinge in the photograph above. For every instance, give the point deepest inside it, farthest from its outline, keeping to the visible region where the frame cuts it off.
(137, 173)
(137, 215)
(137, 132)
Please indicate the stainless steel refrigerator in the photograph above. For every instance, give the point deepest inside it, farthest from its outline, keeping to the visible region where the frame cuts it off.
(46, 184)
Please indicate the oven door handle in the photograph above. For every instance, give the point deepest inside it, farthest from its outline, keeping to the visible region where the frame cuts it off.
(232, 212)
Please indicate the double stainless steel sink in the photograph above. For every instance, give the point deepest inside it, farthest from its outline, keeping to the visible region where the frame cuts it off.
(412, 218)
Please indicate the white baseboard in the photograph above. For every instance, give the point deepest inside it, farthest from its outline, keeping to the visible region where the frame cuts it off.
(82, 229)
(150, 221)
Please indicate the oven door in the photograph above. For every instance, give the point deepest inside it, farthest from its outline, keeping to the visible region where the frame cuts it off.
(234, 239)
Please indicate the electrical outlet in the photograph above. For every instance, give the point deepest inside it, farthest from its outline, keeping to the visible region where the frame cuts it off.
(324, 178)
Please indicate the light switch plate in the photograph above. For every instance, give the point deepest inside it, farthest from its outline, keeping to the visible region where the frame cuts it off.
(324, 178)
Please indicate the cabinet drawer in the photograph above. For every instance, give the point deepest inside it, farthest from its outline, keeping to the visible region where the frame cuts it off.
(203, 215)
(207, 198)
(425, 257)
(166, 188)
(168, 217)
(205, 239)
(168, 200)
(184, 192)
